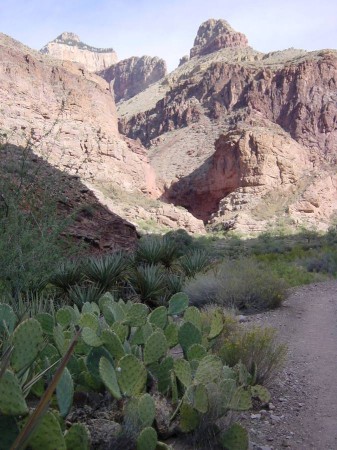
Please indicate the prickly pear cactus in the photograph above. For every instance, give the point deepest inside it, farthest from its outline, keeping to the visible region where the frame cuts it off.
(188, 335)
(90, 337)
(183, 371)
(162, 373)
(158, 317)
(65, 393)
(241, 400)
(77, 437)
(8, 431)
(137, 315)
(155, 347)
(196, 351)
(216, 324)
(12, 402)
(63, 317)
(192, 314)
(147, 440)
(197, 397)
(189, 418)
(109, 378)
(171, 334)
(236, 438)
(209, 369)
(131, 375)
(178, 303)
(27, 341)
(47, 323)
(48, 435)
(113, 344)
(260, 393)
(146, 410)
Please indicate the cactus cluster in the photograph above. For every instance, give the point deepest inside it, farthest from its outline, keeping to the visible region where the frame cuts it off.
(127, 350)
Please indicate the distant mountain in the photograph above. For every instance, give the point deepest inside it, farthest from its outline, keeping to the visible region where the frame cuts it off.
(69, 47)
(242, 139)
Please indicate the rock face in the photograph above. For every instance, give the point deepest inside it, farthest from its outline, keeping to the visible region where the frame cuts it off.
(240, 137)
(214, 35)
(133, 75)
(68, 117)
(69, 47)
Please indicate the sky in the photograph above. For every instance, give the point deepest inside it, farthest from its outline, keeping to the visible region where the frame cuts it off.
(167, 28)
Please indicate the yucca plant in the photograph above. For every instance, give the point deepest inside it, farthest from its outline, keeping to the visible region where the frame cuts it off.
(149, 283)
(107, 271)
(193, 262)
(66, 275)
(155, 250)
(79, 295)
(174, 283)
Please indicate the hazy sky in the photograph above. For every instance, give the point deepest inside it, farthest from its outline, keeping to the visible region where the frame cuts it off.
(168, 28)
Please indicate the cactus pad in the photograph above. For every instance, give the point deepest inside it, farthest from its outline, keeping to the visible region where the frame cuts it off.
(12, 402)
(65, 393)
(48, 435)
(192, 314)
(137, 315)
(90, 321)
(177, 304)
(236, 438)
(261, 393)
(108, 376)
(77, 437)
(188, 335)
(90, 337)
(209, 369)
(113, 344)
(216, 324)
(27, 342)
(189, 418)
(241, 400)
(47, 322)
(197, 397)
(147, 440)
(183, 372)
(63, 317)
(94, 356)
(158, 317)
(196, 351)
(171, 333)
(155, 347)
(8, 431)
(131, 375)
(146, 410)
(121, 330)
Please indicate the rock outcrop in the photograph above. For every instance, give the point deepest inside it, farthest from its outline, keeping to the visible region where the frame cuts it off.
(69, 47)
(214, 35)
(67, 116)
(133, 75)
(233, 130)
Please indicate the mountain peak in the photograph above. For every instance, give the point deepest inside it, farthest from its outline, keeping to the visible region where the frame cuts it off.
(68, 36)
(214, 35)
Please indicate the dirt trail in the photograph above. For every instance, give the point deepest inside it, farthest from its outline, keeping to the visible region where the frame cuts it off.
(305, 397)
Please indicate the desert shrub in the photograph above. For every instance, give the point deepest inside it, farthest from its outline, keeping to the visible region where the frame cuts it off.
(182, 239)
(155, 250)
(193, 262)
(324, 263)
(241, 284)
(258, 349)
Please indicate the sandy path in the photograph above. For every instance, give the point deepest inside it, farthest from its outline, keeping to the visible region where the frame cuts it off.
(305, 398)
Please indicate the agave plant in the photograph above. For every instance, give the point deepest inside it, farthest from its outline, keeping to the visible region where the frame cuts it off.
(156, 249)
(193, 262)
(79, 295)
(66, 275)
(149, 283)
(107, 271)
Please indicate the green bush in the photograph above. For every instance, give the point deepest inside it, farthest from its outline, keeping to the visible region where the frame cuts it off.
(193, 262)
(241, 284)
(258, 349)
(156, 250)
(107, 271)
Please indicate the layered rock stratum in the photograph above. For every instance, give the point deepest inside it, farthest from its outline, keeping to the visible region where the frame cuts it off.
(131, 76)
(240, 138)
(69, 47)
(67, 116)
